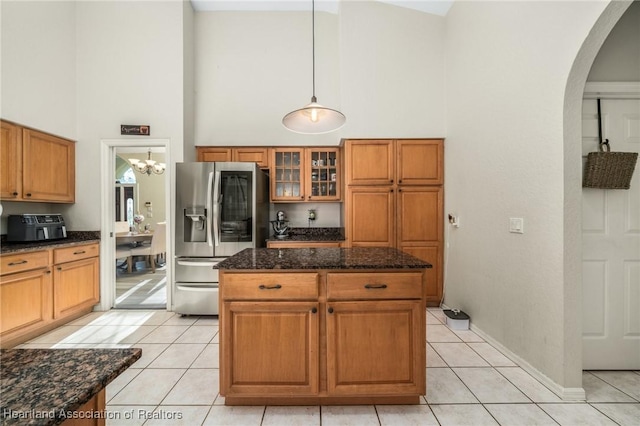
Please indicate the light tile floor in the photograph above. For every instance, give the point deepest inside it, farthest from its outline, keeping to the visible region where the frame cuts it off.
(468, 381)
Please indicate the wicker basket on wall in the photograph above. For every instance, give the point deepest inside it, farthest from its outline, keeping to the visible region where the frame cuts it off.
(609, 170)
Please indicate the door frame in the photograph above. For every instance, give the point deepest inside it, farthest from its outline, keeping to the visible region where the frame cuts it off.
(107, 240)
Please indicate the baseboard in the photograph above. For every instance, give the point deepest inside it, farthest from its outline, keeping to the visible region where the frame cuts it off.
(566, 394)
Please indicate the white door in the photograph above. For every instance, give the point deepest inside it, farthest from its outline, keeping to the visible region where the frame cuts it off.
(611, 246)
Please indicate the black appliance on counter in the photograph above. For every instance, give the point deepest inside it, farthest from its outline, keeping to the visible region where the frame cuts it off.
(35, 227)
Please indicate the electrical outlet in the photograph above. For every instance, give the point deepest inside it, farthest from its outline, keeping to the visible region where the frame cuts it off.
(312, 214)
(454, 220)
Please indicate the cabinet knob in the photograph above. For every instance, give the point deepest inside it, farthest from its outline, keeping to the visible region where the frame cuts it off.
(391, 181)
(330, 310)
(302, 197)
(28, 194)
(391, 190)
(15, 194)
(399, 190)
(59, 268)
(400, 181)
(314, 310)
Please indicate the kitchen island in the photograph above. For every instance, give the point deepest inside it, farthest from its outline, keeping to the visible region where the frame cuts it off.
(55, 386)
(322, 326)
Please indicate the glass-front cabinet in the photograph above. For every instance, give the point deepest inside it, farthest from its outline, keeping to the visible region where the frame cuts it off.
(287, 176)
(305, 174)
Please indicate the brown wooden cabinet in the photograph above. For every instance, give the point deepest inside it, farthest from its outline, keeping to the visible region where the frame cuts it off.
(305, 174)
(25, 297)
(10, 162)
(395, 198)
(36, 166)
(322, 337)
(375, 344)
(34, 300)
(259, 155)
(76, 276)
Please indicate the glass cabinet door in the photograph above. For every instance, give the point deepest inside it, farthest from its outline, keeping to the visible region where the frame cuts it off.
(323, 174)
(287, 178)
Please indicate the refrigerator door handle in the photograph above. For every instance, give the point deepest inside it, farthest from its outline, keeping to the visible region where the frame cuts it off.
(210, 209)
(216, 210)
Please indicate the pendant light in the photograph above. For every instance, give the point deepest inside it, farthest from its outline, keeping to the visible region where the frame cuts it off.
(314, 118)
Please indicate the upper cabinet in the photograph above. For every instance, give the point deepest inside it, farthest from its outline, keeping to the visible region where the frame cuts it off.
(259, 155)
(305, 174)
(36, 166)
(389, 162)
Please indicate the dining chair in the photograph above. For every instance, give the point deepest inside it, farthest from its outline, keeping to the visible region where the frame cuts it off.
(157, 247)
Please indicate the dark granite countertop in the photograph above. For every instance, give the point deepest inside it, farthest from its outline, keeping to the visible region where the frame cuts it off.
(73, 238)
(37, 386)
(322, 258)
(312, 234)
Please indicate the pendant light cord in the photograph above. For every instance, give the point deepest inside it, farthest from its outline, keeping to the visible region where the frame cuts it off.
(313, 48)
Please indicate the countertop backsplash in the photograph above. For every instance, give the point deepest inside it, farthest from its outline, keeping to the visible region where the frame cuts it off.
(328, 215)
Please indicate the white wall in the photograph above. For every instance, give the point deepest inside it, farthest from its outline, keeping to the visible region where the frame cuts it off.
(39, 65)
(381, 65)
(130, 71)
(507, 69)
(252, 68)
(392, 72)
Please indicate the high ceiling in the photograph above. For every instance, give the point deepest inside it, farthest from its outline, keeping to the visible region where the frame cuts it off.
(437, 7)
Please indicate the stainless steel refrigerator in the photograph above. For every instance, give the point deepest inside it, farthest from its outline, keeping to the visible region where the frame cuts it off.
(221, 209)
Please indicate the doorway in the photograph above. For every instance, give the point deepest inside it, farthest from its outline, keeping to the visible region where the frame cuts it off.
(136, 219)
(611, 241)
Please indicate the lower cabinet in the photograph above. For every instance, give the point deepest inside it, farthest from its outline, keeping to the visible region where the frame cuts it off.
(342, 338)
(44, 289)
(374, 348)
(25, 302)
(273, 348)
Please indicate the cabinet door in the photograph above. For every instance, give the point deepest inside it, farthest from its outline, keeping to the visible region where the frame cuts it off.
(25, 302)
(287, 174)
(420, 162)
(369, 162)
(75, 286)
(433, 276)
(211, 154)
(48, 172)
(419, 217)
(270, 348)
(10, 162)
(371, 216)
(252, 155)
(375, 348)
(322, 174)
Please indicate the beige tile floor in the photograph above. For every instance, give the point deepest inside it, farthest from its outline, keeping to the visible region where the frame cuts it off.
(468, 381)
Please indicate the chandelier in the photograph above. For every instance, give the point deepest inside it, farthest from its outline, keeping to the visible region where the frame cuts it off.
(147, 166)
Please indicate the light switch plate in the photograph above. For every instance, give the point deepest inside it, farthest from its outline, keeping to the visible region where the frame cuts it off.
(516, 225)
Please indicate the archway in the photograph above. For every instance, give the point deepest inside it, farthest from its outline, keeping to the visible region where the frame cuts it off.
(572, 120)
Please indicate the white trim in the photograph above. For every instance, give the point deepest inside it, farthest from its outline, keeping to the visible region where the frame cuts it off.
(107, 242)
(612, 89)
(567, 394)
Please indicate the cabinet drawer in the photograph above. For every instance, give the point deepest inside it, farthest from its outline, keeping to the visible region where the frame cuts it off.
(294, 286)
(68, 254)
(23, 262)
(350, 286)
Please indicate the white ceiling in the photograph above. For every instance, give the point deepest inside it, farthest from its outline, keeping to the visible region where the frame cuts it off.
(437, 7)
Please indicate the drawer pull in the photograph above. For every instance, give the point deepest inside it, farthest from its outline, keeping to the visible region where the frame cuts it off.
(330, 310)
(269, 287)
(22, 262)
(79, 252)
(314, 310)
(375, 286)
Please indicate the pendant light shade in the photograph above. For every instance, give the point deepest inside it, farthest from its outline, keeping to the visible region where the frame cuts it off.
(314, 118)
